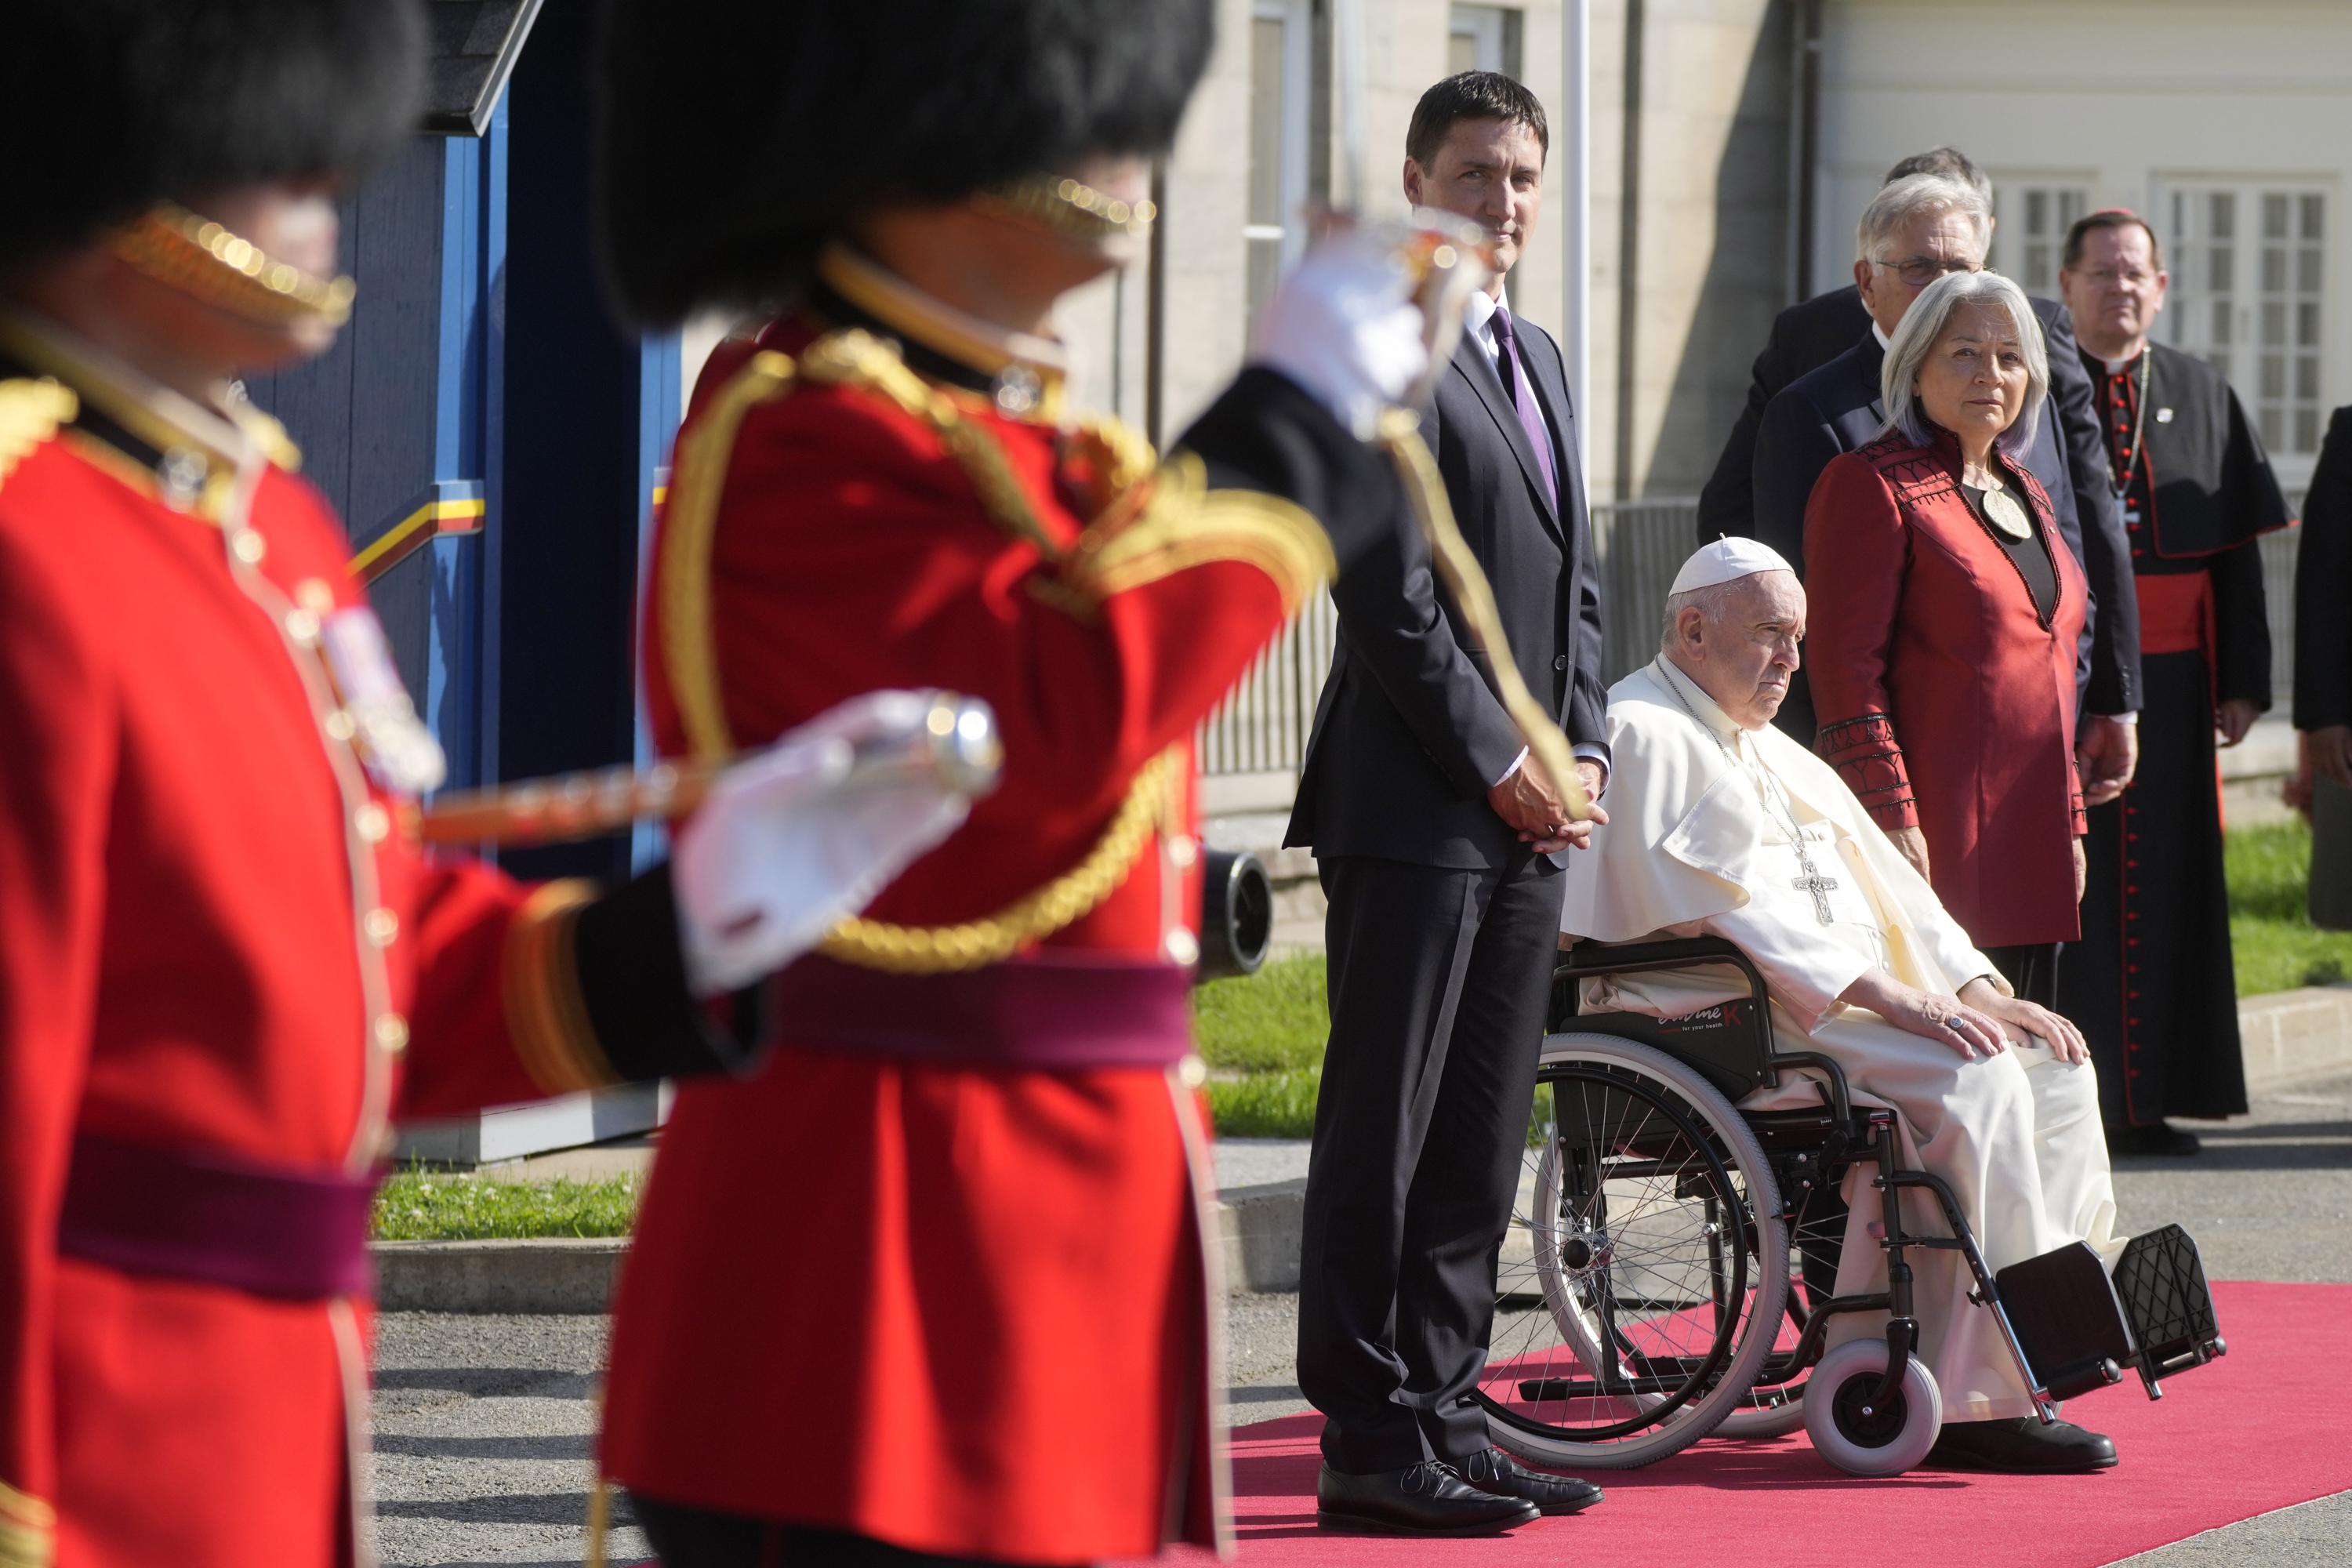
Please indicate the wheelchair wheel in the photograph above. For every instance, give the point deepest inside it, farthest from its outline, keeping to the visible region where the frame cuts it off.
(1646, 1276)
(1857, 1437)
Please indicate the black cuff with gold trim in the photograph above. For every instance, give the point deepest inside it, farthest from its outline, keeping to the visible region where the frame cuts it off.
(632, 987)
(1267, 433)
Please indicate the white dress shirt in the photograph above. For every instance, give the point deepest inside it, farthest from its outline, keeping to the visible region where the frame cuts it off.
(1478, 323)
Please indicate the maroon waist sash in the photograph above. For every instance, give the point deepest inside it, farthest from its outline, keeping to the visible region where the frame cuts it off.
(1058, 1012)
(289, 1234)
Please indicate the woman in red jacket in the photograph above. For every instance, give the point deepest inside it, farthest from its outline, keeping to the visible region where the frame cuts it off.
(1945, 615)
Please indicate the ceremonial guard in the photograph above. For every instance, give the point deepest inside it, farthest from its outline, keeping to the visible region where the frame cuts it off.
(2150, 984)
(225, 966)
(935, 1285)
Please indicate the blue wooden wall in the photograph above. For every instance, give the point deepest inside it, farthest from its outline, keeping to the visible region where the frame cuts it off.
(480, 354)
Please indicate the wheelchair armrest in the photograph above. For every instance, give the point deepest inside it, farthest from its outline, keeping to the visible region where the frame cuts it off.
(1590, 958)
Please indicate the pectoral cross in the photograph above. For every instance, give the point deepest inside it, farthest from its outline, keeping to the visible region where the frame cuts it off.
(1813, 883)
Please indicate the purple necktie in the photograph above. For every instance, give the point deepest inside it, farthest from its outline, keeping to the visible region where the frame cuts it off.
(1531, 419)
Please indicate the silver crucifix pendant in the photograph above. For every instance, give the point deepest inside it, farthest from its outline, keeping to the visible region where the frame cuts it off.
(1813, 883)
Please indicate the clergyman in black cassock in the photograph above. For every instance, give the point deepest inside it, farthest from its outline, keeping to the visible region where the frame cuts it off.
(2150, 984)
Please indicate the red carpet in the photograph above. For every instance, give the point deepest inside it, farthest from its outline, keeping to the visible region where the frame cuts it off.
(2267, 1426)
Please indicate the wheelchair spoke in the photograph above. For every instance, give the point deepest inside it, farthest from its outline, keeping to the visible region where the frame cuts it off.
(1638, 1274)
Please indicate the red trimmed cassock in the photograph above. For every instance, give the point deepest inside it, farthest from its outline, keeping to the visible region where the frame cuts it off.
(937, 1277)
(1944, 690)
(2151, 983)
(224, 970)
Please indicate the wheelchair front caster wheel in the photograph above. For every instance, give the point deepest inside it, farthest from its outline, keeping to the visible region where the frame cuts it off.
(1859, 1437)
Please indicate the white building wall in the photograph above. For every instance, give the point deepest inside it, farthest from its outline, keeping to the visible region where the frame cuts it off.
(2128, 99)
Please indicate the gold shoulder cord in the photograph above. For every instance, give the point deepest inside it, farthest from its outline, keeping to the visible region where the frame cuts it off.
(31, 412)
(1457, 564)
(857, 360)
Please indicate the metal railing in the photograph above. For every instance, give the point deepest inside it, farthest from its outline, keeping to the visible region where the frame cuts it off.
(1262, 728)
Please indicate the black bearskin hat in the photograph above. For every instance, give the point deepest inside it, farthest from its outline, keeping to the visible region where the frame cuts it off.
(136, 102)
(728, 152)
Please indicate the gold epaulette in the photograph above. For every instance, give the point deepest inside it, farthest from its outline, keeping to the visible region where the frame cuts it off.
(28, 1526)
(31, 411)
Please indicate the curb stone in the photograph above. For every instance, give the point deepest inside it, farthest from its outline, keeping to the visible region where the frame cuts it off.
(2290, 1036)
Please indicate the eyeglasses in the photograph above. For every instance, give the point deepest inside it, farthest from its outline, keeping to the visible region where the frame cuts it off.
(1921, 270)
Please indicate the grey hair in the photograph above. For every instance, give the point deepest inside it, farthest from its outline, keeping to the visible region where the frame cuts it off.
(1924, 323)
(1708, 601)
(1900, 201)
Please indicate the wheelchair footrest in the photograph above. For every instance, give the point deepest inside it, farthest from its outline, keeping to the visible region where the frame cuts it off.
(2160, 1281)
(2068, 1320)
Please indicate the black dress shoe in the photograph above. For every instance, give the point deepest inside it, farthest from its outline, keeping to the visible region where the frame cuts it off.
(1493, 1470)
(2160, 1138)
(1427, 1499)
(2021, 1446)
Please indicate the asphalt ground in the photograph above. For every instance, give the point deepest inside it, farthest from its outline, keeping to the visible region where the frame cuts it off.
(482, 1422)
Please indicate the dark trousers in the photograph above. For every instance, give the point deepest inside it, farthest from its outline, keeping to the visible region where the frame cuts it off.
(697, 1538)
(1439, 981)
(2030, 969)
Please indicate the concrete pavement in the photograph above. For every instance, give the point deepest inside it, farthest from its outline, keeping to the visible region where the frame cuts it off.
(483, 1421)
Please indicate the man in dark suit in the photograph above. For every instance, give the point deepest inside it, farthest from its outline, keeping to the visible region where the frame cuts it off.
(1435, 834)
(2068, 458)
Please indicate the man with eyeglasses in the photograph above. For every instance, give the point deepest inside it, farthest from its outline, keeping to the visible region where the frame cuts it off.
(2068, 458)
(2150, 980)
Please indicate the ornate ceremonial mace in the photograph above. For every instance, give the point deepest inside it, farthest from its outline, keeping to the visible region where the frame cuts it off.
(1450, 258)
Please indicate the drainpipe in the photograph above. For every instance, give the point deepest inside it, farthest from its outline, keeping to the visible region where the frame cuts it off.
(1805, 146)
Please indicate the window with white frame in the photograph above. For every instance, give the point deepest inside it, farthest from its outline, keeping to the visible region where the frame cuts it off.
(1483, 38)
(2029, 242)
(2248, 261)
(1281, 94)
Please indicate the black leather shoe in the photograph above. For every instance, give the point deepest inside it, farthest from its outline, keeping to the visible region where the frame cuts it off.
(2160, 1138)
(1427, 1499)
(2020, 1447)
(1495, 1471)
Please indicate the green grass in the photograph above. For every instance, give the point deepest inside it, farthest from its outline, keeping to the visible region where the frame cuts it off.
(1263, 1037)
(2271, 934)
(1265, 1104)
(416, 1205)
(1272, 1021)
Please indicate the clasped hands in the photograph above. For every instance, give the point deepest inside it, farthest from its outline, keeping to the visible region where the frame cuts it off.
(1978, 1022)
(1533, 806)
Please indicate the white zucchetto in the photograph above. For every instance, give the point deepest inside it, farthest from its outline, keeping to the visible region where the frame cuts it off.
(1724, 560)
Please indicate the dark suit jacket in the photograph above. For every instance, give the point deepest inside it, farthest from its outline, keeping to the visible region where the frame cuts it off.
(2323, 586)
(1808, 335)
(1409, 735)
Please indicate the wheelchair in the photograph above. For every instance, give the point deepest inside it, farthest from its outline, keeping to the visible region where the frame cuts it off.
(1670, 1268)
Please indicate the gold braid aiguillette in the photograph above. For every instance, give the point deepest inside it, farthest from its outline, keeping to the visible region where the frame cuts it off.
(201, 259)
(1072, 207)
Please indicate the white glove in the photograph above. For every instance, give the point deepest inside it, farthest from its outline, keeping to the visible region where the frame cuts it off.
(1344, 326)
(788, 842)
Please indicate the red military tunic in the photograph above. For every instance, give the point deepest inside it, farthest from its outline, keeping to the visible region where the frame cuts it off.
(1944, 699)
(939, 1290)
(215, 948)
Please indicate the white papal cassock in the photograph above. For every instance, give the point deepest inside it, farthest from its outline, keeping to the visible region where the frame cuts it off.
(1698, 842)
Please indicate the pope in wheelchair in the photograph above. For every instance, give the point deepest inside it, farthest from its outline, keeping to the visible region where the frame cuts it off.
(1974, 1254)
